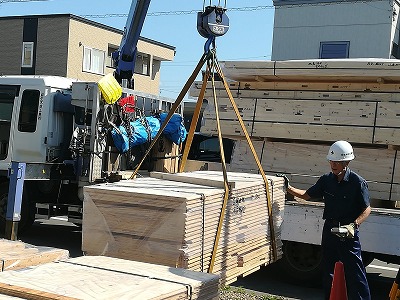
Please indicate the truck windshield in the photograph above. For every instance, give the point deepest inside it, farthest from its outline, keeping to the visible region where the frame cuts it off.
(7, 96)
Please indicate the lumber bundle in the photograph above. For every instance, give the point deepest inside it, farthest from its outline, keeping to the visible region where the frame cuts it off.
(309, 101)
(16, 255)
(172, 220)
(304, 163)
(294, 110)
(100, 277)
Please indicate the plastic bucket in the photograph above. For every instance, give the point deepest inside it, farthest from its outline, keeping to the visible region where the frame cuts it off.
(110, 88)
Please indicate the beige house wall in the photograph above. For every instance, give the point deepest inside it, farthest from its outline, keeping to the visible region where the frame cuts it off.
(11, 32)
(83, 34)
(60, 46)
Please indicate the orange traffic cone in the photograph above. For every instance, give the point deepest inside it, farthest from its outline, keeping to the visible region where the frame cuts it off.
(338, 290)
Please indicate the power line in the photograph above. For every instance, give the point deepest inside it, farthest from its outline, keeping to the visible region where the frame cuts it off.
(179, 12)
(245, 8)
(11, 1)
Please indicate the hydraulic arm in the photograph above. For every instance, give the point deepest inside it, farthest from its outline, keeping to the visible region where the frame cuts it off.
(124, 59)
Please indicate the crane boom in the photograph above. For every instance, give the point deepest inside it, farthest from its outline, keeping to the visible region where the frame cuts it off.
(125, 57)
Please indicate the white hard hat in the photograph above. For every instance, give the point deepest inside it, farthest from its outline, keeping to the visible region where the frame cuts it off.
(340, 151)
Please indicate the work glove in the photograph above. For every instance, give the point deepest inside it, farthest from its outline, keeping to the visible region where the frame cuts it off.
(350, 230)
(285, 178)
(344, 231)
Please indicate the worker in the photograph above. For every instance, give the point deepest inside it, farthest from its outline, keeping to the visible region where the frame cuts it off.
(347, 205)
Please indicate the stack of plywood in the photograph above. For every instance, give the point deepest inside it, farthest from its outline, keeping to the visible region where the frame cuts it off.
(100, 277)
(18, 255)
(305, 162)
(172, 219)
(310, 101)
(294, 110)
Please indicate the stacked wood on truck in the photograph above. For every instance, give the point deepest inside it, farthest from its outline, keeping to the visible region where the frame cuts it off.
(294, 110)
(172, 220)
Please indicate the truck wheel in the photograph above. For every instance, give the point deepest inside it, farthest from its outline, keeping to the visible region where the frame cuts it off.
(302, 263)
(27, 210)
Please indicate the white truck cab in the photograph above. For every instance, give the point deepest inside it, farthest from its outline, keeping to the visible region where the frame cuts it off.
(31, 124)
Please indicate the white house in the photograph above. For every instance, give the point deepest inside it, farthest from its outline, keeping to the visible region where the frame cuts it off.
(335, 29)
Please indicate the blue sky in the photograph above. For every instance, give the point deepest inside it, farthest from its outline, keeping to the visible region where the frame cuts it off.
(249, 36)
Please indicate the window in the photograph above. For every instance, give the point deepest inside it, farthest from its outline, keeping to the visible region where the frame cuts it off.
(109, 60)
(142, 65)
(7, 96)
(27, 54)
(93, 60)
(29, 111)
(334, 50)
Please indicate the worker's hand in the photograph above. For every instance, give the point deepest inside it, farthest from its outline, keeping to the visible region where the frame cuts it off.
(285, 178)
(350, 230)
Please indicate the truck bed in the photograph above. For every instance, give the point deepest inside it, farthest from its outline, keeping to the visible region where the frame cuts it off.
(303, 223)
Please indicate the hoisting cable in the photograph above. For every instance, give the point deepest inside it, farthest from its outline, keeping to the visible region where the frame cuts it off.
(173, 109)
(269, 200)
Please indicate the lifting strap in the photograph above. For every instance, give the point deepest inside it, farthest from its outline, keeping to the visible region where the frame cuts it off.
(212, 66)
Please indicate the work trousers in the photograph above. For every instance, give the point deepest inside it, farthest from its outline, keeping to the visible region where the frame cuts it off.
(348, 251)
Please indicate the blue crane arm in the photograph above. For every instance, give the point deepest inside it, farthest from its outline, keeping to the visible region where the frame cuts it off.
(125, 57)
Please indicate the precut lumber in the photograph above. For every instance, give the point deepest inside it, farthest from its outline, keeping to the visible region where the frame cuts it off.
(172, 219)
(379, 166)
(100, 277)
(16, 255)
(314, 70)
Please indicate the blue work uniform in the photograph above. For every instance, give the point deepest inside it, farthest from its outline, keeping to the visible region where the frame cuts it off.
(344, 202)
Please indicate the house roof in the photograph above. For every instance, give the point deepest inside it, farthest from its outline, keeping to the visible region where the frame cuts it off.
(90, 22)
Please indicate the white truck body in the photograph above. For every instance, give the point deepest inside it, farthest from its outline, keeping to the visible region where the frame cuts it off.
(39, 118)
(303, 223)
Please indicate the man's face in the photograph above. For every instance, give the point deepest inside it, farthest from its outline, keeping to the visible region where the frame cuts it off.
(338, 167)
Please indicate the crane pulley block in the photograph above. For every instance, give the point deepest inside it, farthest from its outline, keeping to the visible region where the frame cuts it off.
(212, 22)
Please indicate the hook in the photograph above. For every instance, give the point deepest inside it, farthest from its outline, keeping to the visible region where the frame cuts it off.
(210, 40)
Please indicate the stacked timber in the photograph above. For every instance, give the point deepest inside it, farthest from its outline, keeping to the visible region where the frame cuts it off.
(100, 277)
(294, 110)
(172, 220)
(304, 163)
(16, 255)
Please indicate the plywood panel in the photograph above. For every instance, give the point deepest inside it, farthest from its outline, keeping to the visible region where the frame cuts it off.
(390, 136)
(353, 113)
(133, 220)
(388, 114)
(100, 277)
(313, 132)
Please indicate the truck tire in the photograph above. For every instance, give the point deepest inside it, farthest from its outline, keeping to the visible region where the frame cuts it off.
(27, 210)
(302, 263)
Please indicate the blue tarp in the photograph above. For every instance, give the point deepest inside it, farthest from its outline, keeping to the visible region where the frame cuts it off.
(139, 134)
(174, 131)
